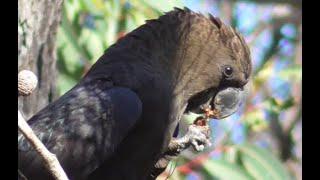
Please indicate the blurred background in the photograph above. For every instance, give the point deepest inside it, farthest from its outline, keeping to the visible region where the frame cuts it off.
(264, 139)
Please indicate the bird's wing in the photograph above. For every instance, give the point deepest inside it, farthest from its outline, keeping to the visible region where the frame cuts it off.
(82, 128)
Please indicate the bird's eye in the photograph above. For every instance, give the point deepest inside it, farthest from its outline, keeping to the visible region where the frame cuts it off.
(228, 71)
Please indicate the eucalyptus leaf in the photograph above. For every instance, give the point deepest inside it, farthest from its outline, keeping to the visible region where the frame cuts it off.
(225, 170)
(262, 164)
(293, 72)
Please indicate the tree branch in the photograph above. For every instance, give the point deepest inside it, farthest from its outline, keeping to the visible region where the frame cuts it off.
(50, 159)
(27, 82)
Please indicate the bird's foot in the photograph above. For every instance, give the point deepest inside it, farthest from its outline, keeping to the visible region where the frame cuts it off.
(199, 137)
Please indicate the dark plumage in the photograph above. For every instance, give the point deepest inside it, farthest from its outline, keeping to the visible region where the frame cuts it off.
(172, 64)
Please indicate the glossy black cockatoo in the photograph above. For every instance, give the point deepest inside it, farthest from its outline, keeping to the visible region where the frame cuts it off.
(119, 119)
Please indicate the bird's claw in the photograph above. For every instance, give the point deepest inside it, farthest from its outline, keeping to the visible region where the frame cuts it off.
(199, 137)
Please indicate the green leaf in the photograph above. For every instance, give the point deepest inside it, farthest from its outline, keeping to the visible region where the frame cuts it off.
(65, 83)
(70, 58)
(130, 24)
(111, 30)
(231, 155)
(73, 9)
(254, 120)
(101, 27)
(163, 6)
(292, 73)
(261, 164)
(90, 6)
(264, 74)
(94, 45)
(272, 105)
(72, 37)
(224, 170)
(275, 105)
(287, 103)
(99, 4)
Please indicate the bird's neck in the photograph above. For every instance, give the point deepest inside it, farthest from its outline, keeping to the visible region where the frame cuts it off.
(176, 48)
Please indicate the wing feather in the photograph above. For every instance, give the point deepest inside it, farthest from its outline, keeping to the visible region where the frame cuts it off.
(82, 128)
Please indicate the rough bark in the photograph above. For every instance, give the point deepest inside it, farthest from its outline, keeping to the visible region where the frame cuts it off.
(37, 27)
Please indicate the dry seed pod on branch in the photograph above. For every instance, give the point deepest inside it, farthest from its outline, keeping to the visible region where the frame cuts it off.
(27, 82)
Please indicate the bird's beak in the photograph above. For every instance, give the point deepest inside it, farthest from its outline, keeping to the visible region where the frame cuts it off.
(227, 101)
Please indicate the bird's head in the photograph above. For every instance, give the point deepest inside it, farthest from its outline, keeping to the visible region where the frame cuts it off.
(216, 64)
(206, 61)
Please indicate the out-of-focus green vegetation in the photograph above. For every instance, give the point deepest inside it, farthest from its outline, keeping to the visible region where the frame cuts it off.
(89, 27)
(263, 140)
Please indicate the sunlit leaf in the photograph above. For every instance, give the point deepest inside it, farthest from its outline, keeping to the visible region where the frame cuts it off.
(224, 170)
(254, 120)
(73, 8)
(91, 7)
(275, 105)
(94, 46)
(99, 4)
(101, 27)
(231, 154)
(272, 104)
(164, 6)
(65, 83)
(130, 24)
(287, 103)
(138, 18)
(71, 36)
(292, 73)
(111, 32)
(263, 75)
(71, 65)
(261, 164)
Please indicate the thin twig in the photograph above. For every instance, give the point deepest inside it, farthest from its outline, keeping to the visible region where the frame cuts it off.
(50, 159)
(27, 82)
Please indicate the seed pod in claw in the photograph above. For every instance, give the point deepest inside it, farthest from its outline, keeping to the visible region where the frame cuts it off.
(227, 102)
